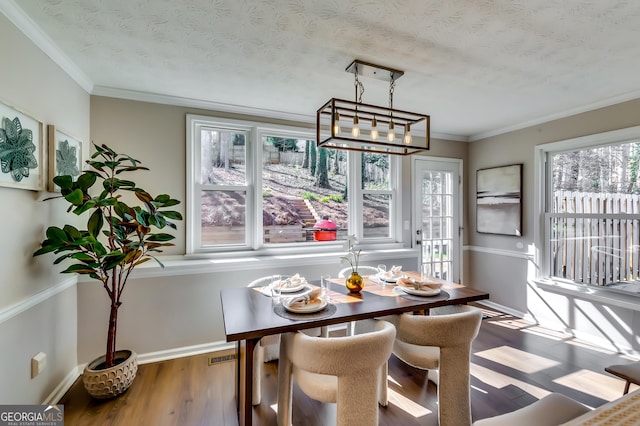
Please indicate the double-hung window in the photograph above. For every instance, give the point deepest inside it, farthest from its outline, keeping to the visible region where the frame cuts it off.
(590, 231)
(257, 186)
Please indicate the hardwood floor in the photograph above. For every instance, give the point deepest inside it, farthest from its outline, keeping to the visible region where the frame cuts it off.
(513, 364)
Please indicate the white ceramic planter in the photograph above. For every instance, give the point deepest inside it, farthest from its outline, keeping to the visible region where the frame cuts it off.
(103, 383)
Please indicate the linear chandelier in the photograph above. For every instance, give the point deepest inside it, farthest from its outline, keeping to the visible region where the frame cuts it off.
(356, 126)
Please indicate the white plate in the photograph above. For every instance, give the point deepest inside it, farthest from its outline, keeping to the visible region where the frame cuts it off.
(306, 309)
(393, 280)
(422, 292)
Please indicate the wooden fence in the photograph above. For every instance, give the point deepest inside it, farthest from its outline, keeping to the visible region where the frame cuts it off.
(595, 237)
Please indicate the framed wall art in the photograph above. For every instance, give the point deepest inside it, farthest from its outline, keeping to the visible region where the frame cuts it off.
(499, 200)
(21, 150)
(65, 155)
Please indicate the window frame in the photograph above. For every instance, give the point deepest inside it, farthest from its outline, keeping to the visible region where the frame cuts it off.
(544, 190)
(253, 223)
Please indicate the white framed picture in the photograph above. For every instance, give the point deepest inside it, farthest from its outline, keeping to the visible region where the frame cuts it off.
(65, 155)
(21, 150)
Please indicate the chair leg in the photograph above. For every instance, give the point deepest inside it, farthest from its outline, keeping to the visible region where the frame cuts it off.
(383, 398)
(258, 359)
(626, 387)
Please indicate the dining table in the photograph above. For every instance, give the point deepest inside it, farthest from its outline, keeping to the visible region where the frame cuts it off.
(250, 314)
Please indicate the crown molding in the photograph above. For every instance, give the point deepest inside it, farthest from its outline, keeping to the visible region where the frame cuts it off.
(25, 24)
(156, 98)
(568, 113)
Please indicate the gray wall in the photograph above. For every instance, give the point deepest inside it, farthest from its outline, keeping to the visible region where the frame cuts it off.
(172, 309)
(178, 307)
(499, 264)
(37, 305)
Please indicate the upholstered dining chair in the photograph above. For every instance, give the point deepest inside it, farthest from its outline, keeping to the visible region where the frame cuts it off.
(441, 342)
(552, 410)
(343, 370)
(269, 346)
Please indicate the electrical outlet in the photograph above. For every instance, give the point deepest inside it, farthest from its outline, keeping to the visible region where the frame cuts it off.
(38, 363)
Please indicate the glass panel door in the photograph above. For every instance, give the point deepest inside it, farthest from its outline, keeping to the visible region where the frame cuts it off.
(437, 217)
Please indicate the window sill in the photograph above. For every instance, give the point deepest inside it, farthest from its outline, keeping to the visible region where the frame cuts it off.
(602, 295)
(188, 265)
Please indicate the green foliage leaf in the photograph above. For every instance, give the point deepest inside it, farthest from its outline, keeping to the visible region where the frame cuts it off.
(112, 260)
(160, 237)
(64, 181)
(94, 225)
(56, 234)
(86, 181)
(72, 232)
(79, 269)
(171, 215)
(75, 197)
(84, 207)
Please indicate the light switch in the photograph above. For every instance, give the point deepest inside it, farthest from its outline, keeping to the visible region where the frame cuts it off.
(38, 363)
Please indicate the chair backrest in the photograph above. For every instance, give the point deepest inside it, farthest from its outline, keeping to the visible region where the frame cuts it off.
(362, 270)
(262, 281)
(452, 330)
(457, 327)
(357, 362)
(340, 356)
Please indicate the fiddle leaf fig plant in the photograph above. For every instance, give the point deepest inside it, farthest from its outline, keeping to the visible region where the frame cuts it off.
(118, 236)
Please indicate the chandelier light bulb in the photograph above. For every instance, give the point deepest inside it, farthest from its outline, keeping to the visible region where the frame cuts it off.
(391, 136)
(374, 129)
(336, 124)
(407, 134)
(355, 131)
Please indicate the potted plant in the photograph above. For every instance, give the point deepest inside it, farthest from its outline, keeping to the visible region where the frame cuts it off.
(354, 282)
(118, 237)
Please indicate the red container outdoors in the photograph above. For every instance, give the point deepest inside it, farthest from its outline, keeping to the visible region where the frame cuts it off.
(322, 235)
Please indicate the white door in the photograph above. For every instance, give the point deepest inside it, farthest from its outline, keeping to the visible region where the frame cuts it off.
(437, 215)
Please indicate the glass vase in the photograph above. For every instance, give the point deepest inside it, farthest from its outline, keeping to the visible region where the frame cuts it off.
(355, 283)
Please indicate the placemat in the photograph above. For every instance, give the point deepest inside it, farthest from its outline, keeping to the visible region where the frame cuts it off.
(443, 295)
(329, 310)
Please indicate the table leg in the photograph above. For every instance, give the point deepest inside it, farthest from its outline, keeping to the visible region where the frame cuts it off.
(284, 382)
(244, 383)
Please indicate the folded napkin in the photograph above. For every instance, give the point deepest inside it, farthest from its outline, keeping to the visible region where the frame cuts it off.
(292, 282)
(304, 299)
(409, 282)
(394, 272)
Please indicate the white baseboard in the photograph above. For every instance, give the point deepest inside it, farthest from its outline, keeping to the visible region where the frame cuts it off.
(184, 351)
(63, 387)
(502, 308)
(146, 358)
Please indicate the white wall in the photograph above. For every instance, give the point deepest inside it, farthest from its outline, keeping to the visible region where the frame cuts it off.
(37, 304)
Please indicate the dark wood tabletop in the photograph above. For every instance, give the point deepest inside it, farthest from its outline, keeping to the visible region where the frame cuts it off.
(249, 315)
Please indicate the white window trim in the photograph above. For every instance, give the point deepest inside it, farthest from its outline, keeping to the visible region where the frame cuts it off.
(542, 193)
(253, 244)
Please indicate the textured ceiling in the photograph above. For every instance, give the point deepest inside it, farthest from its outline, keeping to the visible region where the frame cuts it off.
(476, 66)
